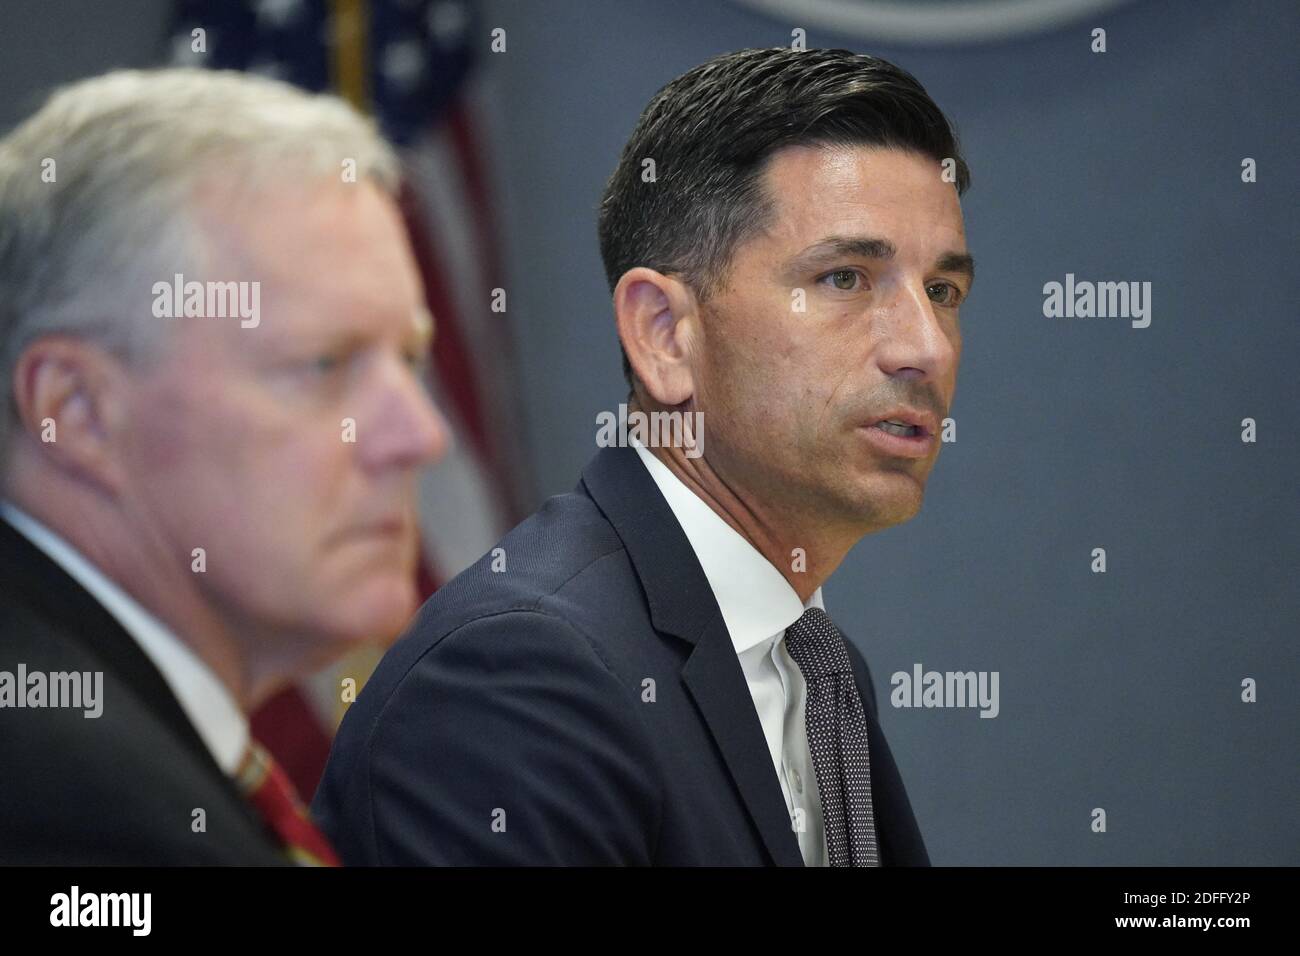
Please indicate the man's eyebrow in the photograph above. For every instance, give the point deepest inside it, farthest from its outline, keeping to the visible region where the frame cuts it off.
(858, 247)
(957, 262)
(868, 247)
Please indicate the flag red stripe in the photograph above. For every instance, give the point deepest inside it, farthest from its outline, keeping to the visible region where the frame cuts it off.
(465, 141)
(450, 354)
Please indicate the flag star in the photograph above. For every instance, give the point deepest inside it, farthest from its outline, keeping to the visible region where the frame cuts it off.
(447, 21)
(278, 13)
(403, 62)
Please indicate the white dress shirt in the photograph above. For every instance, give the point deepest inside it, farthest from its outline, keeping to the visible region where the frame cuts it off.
(207, 702)
(757, 604)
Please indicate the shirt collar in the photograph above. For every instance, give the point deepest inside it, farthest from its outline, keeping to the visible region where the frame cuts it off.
(756, 600)
(208, 703)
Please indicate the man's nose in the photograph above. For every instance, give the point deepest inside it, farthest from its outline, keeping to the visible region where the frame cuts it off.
(408, 430)
(918, 340)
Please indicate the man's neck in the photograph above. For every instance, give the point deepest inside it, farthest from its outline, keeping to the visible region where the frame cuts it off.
(805, 556)
(164, 588)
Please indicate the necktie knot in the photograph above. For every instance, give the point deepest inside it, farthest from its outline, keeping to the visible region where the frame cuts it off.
(816, 645)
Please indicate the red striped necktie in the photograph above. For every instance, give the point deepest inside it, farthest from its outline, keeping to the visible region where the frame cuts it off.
(267, 788)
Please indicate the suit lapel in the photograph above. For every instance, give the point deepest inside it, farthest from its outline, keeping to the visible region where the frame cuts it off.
(31, 577)
(681, 603)
(716, 681)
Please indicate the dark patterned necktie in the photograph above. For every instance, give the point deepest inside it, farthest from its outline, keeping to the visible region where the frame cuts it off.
(837, 738)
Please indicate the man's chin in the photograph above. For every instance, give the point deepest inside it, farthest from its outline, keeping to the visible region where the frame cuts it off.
(892, 501)
(376, 613)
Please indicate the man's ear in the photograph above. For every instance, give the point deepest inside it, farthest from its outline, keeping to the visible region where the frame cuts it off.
(657, 318)
(70, 396)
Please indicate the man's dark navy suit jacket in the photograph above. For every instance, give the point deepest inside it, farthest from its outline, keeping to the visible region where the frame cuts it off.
(583, 704)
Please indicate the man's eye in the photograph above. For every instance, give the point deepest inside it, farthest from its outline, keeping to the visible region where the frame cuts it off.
(845, 280)
(323, 364)
(954, 296)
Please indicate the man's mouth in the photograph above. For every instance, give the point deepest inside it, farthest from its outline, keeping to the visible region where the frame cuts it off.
(906, 422)
(385, 528)
(904, 432)
(898, 428)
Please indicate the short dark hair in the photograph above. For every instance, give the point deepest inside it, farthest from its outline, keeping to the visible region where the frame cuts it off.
(710, 132)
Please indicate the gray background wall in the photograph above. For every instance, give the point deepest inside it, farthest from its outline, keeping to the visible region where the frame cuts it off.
(1118, 690)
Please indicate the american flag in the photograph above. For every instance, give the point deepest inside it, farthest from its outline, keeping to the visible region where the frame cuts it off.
(412, 65)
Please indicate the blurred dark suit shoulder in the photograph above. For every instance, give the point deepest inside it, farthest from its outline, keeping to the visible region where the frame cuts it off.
(116, 789)
(581, 703)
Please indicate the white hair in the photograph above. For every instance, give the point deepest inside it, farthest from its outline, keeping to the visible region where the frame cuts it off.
(98, 187)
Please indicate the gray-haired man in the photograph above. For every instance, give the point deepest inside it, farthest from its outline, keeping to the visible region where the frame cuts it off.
(210, 430)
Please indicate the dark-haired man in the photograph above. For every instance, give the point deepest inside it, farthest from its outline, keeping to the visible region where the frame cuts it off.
(644, 673)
